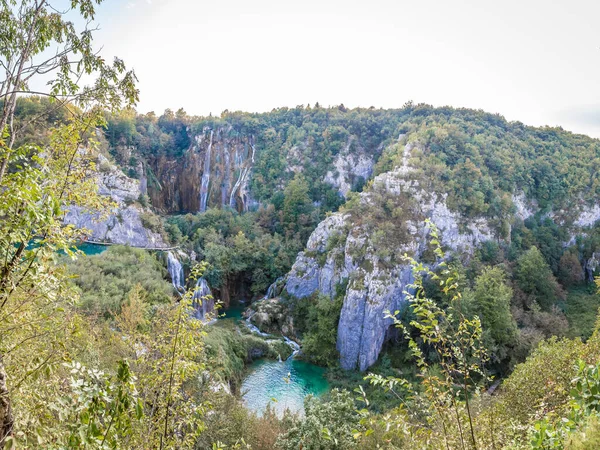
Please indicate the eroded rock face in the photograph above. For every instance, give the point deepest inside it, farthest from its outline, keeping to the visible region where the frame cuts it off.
(591, 266)
(271, 316)
(376, 281)
(350, 167)
(307, 276)
(588, 217)
(123, 224)
(214, 172)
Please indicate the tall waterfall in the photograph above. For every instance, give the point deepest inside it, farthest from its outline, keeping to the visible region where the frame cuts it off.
(204, 303)
(176, 271)
(206, 175)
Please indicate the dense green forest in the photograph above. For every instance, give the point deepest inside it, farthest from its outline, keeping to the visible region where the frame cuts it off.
(489, 350)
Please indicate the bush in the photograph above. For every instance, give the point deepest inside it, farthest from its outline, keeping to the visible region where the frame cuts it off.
(106, 279)
(327, 425)
(152, 222)
(536, 281)
(317, 318)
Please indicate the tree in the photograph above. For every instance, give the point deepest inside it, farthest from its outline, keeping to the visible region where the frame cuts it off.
(37, 39)
(535, 279)
(327, 425)
(570, 271)
(490, 300)
(296, 205)
(38, 184)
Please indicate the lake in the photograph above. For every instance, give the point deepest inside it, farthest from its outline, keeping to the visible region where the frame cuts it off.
(283, 384)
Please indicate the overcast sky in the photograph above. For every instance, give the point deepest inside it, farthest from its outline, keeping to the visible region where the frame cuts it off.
(529, 60)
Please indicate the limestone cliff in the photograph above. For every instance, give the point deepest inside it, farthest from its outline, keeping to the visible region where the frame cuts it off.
(123, 224)
(367, 252)
(215, 171)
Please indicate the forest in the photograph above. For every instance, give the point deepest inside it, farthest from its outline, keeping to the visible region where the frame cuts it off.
(493, 345)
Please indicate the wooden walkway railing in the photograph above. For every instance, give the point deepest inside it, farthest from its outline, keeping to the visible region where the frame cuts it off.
(163, 249)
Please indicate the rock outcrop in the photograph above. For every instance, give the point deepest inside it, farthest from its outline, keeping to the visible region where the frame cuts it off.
(356, 252)
(123, 224)
(214, 171)
(350, 168)
(341, 249)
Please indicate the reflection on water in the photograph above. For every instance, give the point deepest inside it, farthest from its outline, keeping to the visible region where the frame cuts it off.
(283, 384)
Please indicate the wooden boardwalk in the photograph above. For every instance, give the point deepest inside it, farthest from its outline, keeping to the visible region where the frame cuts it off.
(162, 249)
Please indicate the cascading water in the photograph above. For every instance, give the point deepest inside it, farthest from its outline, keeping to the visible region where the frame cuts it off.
(253, 328)
(226, 176)
(240, 184)
(176, 271)
(271, 292)
(203, 302)
(288, 382)
(206, 175)
(293, 345)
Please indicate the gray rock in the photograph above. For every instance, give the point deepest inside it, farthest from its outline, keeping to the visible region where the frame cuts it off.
(349, 166)
(374, 287)
(122, 224)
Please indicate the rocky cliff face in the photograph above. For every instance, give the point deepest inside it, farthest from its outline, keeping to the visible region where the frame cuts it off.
(351, 167)
(215, 171)
(123, 224)
(376, 278)
(345, 247)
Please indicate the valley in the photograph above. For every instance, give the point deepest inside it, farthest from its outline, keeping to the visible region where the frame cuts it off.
(309, 277)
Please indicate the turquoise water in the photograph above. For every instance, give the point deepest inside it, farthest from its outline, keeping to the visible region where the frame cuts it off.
(282, 384)
(91, 249)
(233, 312)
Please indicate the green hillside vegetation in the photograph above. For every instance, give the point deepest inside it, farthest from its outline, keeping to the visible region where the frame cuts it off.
(499, 350)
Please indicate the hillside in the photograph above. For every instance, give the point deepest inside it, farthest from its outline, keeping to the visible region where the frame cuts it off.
(319, 208)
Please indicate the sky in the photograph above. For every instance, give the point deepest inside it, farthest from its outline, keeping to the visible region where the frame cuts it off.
(533, 61)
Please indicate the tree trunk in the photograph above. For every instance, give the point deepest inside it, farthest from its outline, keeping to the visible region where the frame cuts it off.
(6, 418)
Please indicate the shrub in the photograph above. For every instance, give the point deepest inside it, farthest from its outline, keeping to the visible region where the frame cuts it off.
(106, 279)
(327, 425)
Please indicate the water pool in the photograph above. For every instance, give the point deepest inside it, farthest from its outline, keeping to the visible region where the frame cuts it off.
(282, 384)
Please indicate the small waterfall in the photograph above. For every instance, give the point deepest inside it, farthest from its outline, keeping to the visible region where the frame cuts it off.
(253, 328)
(237, 185)
(272, 291)
(203, 302)
(240, 184)
(293, 345)
(176, 271)
(206, 175)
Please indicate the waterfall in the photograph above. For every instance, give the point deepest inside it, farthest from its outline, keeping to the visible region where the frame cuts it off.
(242, 178)
(253, 328)
(237, 185)
(271, 292)
(206, 175)
(226, 177)
(293, 345)
(203, 302)
(176, 271)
